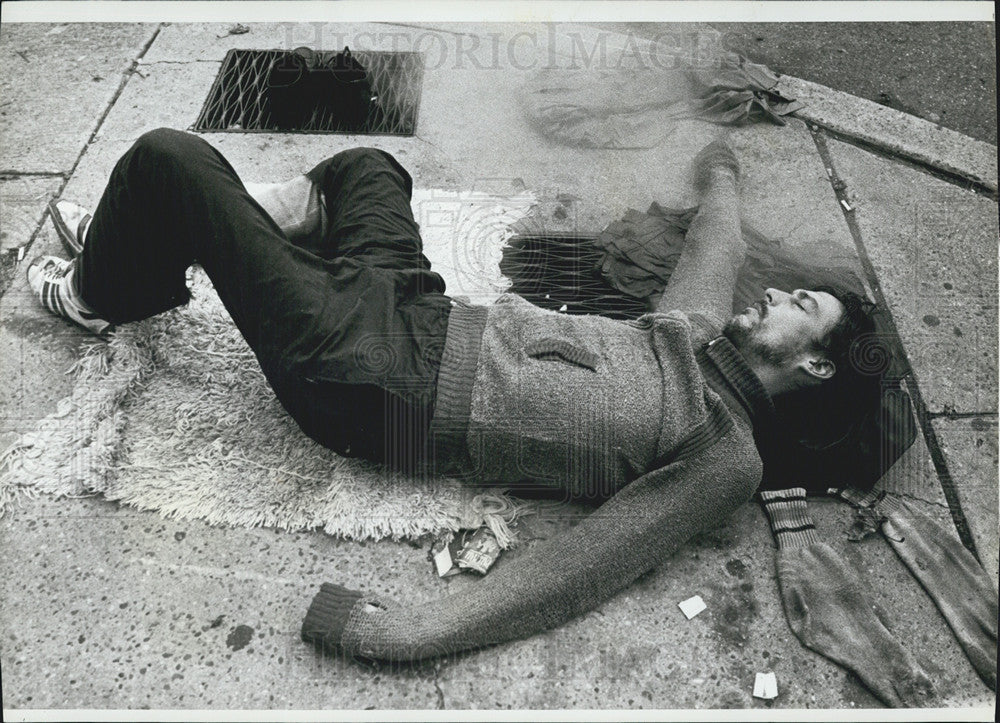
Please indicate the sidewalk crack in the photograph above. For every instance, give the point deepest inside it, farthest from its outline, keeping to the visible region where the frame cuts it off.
(954, 415)
(437, 686)
(6, 175)
(125, 76)
(147, 63)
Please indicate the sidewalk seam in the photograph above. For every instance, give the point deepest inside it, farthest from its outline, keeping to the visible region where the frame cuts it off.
(67, 175)
(149, 63)
(963, 415)
(955, 178)
(924, 418)
(8, 174)
(126, 76)
(894, 133)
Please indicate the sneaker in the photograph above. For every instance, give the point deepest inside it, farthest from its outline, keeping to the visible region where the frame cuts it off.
(52, 279)
(71, 222)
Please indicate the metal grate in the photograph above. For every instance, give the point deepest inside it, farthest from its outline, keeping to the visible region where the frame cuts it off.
(239, 100)
(562, 273)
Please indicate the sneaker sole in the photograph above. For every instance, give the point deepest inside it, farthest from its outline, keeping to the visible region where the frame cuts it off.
(68, 237)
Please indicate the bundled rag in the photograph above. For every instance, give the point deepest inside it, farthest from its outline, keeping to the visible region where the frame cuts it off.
(638, 107)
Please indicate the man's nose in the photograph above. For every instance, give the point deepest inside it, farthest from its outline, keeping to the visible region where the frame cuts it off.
(775, 296)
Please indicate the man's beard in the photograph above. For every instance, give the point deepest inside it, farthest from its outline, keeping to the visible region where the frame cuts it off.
(749, 344)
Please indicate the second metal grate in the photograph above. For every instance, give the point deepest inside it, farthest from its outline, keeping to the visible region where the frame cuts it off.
(239, 98)
(562, 273)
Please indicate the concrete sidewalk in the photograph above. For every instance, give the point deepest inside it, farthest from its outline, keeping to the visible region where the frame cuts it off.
(104, 606)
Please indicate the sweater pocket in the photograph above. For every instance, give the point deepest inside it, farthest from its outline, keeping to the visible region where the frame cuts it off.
(562, 351)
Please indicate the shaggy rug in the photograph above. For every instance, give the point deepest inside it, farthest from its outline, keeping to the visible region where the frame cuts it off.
(173, 414)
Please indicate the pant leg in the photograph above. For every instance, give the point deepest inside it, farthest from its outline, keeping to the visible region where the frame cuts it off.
(367, 220)
(366, 194)
(173, 200)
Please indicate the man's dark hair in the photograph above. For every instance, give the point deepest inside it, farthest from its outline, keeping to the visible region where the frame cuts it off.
(853, 344)
(861, 356)
(853, 427)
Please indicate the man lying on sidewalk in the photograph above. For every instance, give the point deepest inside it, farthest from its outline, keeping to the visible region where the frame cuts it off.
(657, 417)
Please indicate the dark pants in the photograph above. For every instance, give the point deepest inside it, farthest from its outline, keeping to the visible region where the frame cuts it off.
(349, 331)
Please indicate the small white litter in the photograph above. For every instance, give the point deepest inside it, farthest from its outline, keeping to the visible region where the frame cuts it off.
(692, 606)
(765, 686)
(845, 204)
(443, 561)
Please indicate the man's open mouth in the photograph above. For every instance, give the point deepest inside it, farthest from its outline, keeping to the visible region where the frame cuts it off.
(758, 306)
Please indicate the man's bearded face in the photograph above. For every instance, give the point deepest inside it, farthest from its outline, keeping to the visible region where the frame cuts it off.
(780, 328)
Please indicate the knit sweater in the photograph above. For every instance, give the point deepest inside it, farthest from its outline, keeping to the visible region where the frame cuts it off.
(654, 416)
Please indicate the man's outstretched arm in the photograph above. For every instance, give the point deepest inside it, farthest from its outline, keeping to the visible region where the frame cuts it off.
(705, 277)
(561, 578)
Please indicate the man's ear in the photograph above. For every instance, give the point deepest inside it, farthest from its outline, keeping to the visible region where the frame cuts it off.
(818, 367)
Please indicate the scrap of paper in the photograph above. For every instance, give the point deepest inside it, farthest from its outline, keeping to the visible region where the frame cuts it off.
(765, 686)
(692, 606)
(443, 561)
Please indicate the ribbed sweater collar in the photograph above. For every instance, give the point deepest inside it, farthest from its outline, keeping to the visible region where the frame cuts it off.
(726, 370)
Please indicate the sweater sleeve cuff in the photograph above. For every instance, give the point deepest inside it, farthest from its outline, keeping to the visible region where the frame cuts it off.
(887, 504)
(328, 615)
(789, 517)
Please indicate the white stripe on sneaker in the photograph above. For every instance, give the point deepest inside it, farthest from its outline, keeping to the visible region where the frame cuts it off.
(58, 299)
(49, 301)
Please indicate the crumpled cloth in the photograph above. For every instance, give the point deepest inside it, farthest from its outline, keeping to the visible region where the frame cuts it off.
(828, 608)
(740, 92)
(639, 107)
(829, 611)
(640, 252)
(963, 591)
